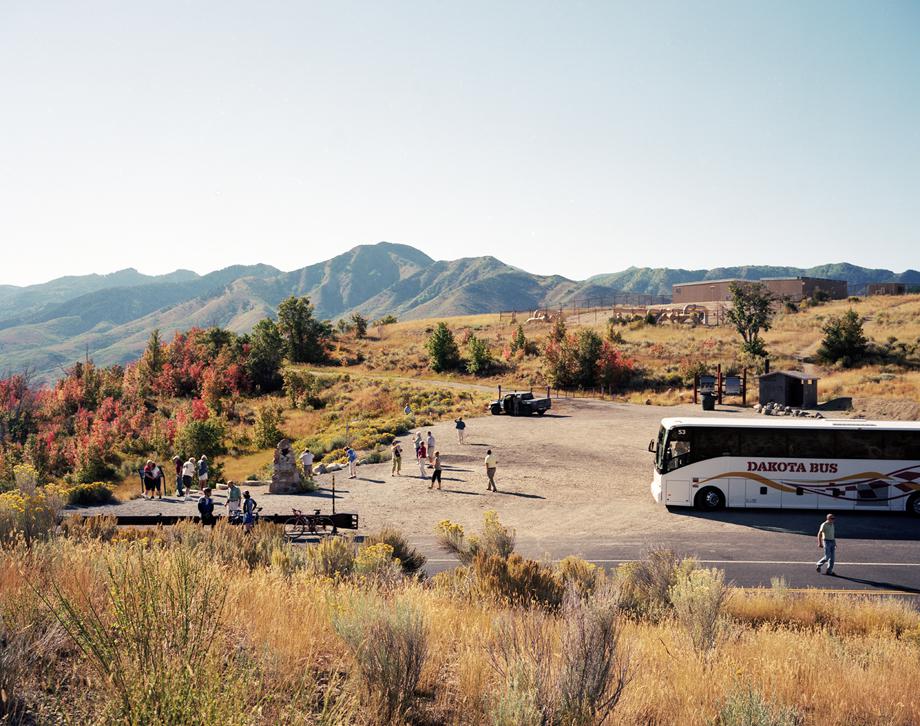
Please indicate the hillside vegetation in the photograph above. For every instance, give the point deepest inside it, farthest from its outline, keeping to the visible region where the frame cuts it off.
(48, 327)
(666, 356)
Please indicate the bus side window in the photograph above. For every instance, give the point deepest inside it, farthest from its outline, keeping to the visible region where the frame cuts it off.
(858, 444)
(902, 445)
(764, 442)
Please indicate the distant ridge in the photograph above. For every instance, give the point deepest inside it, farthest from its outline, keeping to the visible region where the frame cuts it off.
(49, 326)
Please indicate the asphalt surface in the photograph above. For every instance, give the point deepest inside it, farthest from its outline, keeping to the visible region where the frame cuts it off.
(877, 553)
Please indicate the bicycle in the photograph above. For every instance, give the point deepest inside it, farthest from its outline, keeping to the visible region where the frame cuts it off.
(301, 524)
(237, 517)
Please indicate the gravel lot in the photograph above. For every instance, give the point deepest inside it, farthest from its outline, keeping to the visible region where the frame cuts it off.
(582, 470)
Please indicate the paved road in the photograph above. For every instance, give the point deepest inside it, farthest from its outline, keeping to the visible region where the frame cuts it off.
(876, 552)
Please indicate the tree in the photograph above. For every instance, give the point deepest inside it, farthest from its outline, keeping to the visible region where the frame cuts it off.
(386, 320)
(153, 355)
(306, 339)
(479, 361)
(443, 353)
(751, 312)
(359, 324)
(266, 350)
(519, 341)
(844, 340)
(587, 352)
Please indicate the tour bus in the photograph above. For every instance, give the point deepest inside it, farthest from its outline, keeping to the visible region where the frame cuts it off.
(789, 463)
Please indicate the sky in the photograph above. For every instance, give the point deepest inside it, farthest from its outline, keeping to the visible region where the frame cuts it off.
(569, 137)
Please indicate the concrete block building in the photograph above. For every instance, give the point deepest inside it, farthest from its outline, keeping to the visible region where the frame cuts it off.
(791, 288)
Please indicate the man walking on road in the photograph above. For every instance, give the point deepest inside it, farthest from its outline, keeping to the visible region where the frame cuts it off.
(461, 429)
(490, 470)
(828, 541)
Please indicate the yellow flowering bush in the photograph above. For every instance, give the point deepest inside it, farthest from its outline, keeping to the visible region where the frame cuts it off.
(29, 511)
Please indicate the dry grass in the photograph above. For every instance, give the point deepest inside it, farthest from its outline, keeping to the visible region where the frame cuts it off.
(277, 655)
(665, 352)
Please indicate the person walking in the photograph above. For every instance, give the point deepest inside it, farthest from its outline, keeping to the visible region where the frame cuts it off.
(491, 464)
(827, 540)
(249, 512)
(177, 462)
(417, 442)
(397, 459)
(461, 429)
(436, 474)
(234, 499)
(352, 462)
(203, 471)
(306, 461)
(429, 443)
(206, 508)
(189, 469)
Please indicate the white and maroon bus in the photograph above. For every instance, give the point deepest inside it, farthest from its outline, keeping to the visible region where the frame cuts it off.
(788, 463)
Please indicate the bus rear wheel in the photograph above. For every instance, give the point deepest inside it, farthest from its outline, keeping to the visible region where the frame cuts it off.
(709, 499)
(913, 505)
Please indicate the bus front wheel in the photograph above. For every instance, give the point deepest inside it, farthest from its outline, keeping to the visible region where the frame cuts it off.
(913, 505)
(709, 499)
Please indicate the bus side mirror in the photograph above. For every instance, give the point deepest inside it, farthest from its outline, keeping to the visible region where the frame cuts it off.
(653, 446)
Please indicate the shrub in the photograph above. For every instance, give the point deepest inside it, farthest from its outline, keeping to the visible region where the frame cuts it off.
(201, 437)
(137, 649)
(581, 686)
(29, 511)
(411, 560)
(645, 586)
(390, 645)
(267, 432)
(333, 557)
(479, 360)
(495, 540)
(594, 669)
(515, 581)
(697, 597)
(88, 495)
(581, 576)
(375, 562)
(844, 340)
(749, 708)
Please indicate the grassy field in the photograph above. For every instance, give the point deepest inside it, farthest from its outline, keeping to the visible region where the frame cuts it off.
(184, 625)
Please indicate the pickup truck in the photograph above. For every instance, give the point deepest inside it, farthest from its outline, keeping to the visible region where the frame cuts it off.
(520, 403)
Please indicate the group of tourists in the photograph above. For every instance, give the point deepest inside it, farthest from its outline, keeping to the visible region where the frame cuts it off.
(153, 478)
(240, 504)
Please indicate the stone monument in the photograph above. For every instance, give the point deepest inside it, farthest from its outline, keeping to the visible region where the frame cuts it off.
(285, 477)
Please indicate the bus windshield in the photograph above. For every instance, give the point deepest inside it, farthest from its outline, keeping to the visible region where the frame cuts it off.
(673, 449)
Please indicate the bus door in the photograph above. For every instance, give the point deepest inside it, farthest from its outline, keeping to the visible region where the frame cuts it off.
(677, 493)
(737, 492)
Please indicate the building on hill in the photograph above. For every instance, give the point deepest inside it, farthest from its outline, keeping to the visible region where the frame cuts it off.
(790, 288)
(886, 288)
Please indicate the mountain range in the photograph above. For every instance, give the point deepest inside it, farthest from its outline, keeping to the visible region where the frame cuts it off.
(47, 327)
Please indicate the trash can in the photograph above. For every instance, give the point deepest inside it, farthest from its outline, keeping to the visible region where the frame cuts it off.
(709, 402)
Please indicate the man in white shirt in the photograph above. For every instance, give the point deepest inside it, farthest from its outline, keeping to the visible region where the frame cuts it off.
(491, 463)
(827, 540)
(306, 461)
